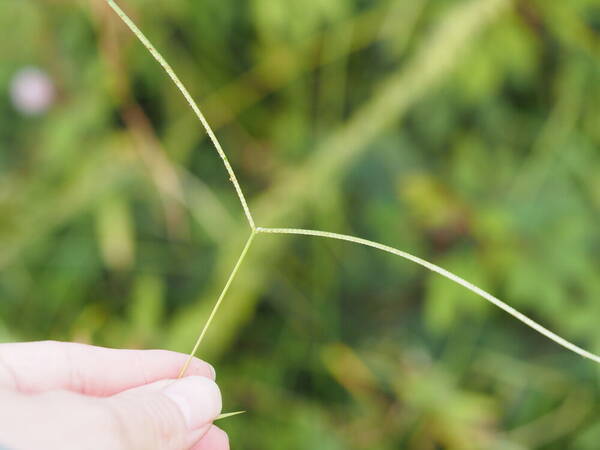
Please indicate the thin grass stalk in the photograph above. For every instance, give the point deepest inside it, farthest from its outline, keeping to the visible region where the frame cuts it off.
(218, 303)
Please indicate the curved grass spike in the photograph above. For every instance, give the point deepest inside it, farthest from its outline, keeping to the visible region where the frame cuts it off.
(169, 70)
(324, 234)
(443, 272)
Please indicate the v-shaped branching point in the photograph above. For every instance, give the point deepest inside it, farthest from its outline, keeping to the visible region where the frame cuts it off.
(356, 240)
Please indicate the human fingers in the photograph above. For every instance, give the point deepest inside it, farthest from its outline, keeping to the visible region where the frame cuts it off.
(214, 439)
(35, 367)
(174, 417)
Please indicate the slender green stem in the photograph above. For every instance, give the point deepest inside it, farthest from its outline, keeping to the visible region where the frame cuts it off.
(487, 296)
(169, 70)
(218, 303)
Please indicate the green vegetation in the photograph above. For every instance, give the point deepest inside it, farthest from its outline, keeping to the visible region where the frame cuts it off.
(463, 131)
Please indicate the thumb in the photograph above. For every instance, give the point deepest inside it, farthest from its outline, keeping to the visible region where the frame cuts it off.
(166, 415)
(169, 414)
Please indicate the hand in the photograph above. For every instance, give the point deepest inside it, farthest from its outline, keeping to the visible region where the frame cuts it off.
(64, 396)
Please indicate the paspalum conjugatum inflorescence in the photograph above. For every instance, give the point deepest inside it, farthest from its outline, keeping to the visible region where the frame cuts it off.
(255, 230)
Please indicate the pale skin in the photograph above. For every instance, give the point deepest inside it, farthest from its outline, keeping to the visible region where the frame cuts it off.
(56, 395)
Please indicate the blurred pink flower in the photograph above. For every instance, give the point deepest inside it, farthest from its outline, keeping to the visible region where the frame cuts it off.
(32, 91)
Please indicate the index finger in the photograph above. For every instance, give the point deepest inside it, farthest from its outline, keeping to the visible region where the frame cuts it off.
(35, 367)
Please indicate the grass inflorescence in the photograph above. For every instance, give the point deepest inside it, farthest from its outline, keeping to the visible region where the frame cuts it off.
(255, 230)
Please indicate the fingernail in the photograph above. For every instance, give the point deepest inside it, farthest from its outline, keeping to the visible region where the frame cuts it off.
(198, 399)
(212, 371)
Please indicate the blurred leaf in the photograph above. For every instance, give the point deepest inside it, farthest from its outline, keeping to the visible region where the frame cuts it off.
(115, 233)
(146, 309)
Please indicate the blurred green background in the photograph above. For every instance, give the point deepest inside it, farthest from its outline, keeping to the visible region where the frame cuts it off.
(464, 131)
